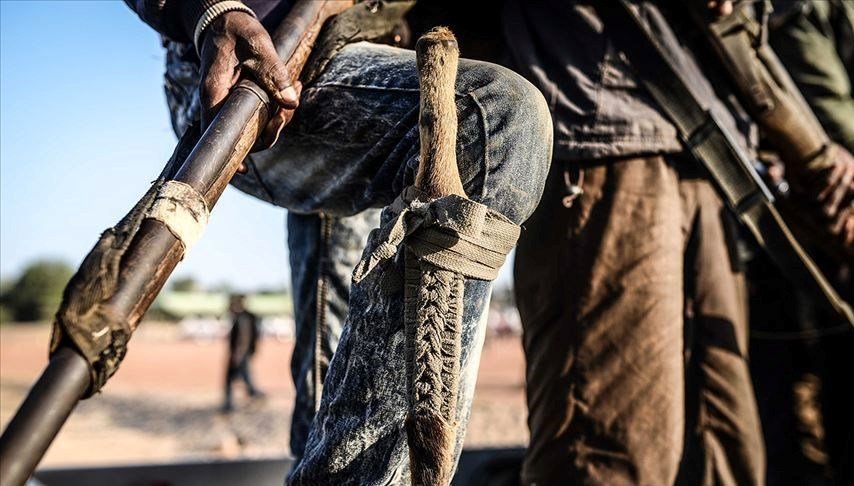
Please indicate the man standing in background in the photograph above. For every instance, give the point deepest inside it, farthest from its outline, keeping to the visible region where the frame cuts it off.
(242, 343)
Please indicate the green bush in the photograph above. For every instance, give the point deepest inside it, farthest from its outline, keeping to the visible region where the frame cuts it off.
(5, 315)
(185, 284)
(37, 293)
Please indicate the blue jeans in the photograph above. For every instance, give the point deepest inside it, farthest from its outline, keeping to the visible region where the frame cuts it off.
(353, 145)
(323, 250)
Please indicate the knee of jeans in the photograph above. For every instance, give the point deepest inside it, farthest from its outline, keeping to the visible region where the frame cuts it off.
(519, 142)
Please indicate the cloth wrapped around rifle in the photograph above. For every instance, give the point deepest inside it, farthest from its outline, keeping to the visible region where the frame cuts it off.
(182, 210)
(83, 320)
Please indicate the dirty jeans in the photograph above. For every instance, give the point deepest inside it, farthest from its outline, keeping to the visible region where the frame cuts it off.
(603, 289)
(353, 144)
(323, 251)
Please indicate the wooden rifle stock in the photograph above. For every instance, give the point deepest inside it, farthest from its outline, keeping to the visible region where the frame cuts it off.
(155, 251)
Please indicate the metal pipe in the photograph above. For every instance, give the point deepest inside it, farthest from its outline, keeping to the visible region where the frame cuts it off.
(155, 252)
(42, 414)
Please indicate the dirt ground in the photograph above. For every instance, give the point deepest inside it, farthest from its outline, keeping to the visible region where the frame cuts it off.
(162, 405)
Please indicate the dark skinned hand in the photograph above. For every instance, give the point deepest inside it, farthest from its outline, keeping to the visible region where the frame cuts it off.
(826, 196)
(835, 188)
(823, 200)
(236, 45)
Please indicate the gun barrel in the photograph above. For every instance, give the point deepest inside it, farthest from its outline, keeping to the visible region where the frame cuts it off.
(49, 403)
(155, 251)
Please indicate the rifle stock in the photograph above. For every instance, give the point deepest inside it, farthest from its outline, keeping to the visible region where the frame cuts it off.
(154, 251)
(731, 169)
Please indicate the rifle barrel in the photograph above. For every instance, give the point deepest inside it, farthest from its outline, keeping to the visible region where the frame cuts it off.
(154, 252)
(42, 414)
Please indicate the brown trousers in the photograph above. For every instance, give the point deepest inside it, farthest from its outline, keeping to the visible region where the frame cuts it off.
(635, 333)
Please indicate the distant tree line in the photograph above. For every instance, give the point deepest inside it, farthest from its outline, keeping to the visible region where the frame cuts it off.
(36, 293)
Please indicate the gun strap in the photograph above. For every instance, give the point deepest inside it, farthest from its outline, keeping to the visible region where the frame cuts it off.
(716, 149)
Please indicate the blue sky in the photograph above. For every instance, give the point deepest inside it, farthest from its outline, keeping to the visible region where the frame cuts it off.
(84, 127)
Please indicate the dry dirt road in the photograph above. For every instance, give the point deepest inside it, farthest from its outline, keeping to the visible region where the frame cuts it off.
(162, 405)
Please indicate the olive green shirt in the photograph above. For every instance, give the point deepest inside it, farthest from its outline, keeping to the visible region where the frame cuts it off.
(815, 41)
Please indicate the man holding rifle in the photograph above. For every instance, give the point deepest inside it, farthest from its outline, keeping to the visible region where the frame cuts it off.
(353, 145)
(621, 390)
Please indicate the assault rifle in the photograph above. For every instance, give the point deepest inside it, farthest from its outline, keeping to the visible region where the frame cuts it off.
(120, 278)
(773, 101)
(769, 94)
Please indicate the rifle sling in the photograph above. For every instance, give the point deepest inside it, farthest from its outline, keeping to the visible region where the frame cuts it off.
(715, 148)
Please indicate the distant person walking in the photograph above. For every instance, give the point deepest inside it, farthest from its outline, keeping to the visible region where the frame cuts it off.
(242, 342)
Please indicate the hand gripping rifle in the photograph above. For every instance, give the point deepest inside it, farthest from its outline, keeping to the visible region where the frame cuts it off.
(119, 279)
(768, 94)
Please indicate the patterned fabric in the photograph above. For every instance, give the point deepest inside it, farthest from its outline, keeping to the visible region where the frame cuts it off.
(181, 83)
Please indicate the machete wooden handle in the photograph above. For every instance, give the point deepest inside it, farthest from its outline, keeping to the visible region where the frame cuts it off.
(437, 56)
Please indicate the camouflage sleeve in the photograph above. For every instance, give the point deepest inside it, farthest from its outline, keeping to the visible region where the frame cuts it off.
(810, 43)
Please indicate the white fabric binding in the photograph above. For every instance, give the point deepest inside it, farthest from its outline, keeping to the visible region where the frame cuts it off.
(183, 210)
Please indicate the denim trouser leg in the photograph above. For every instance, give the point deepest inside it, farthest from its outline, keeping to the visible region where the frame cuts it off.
(352, 145)
(323, 251)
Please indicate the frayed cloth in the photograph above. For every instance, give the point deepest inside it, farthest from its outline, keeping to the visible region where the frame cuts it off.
(85, 320)
(453, 233)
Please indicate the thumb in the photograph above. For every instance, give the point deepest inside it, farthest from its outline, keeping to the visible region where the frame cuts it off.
(272, 75)
(277, 122)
